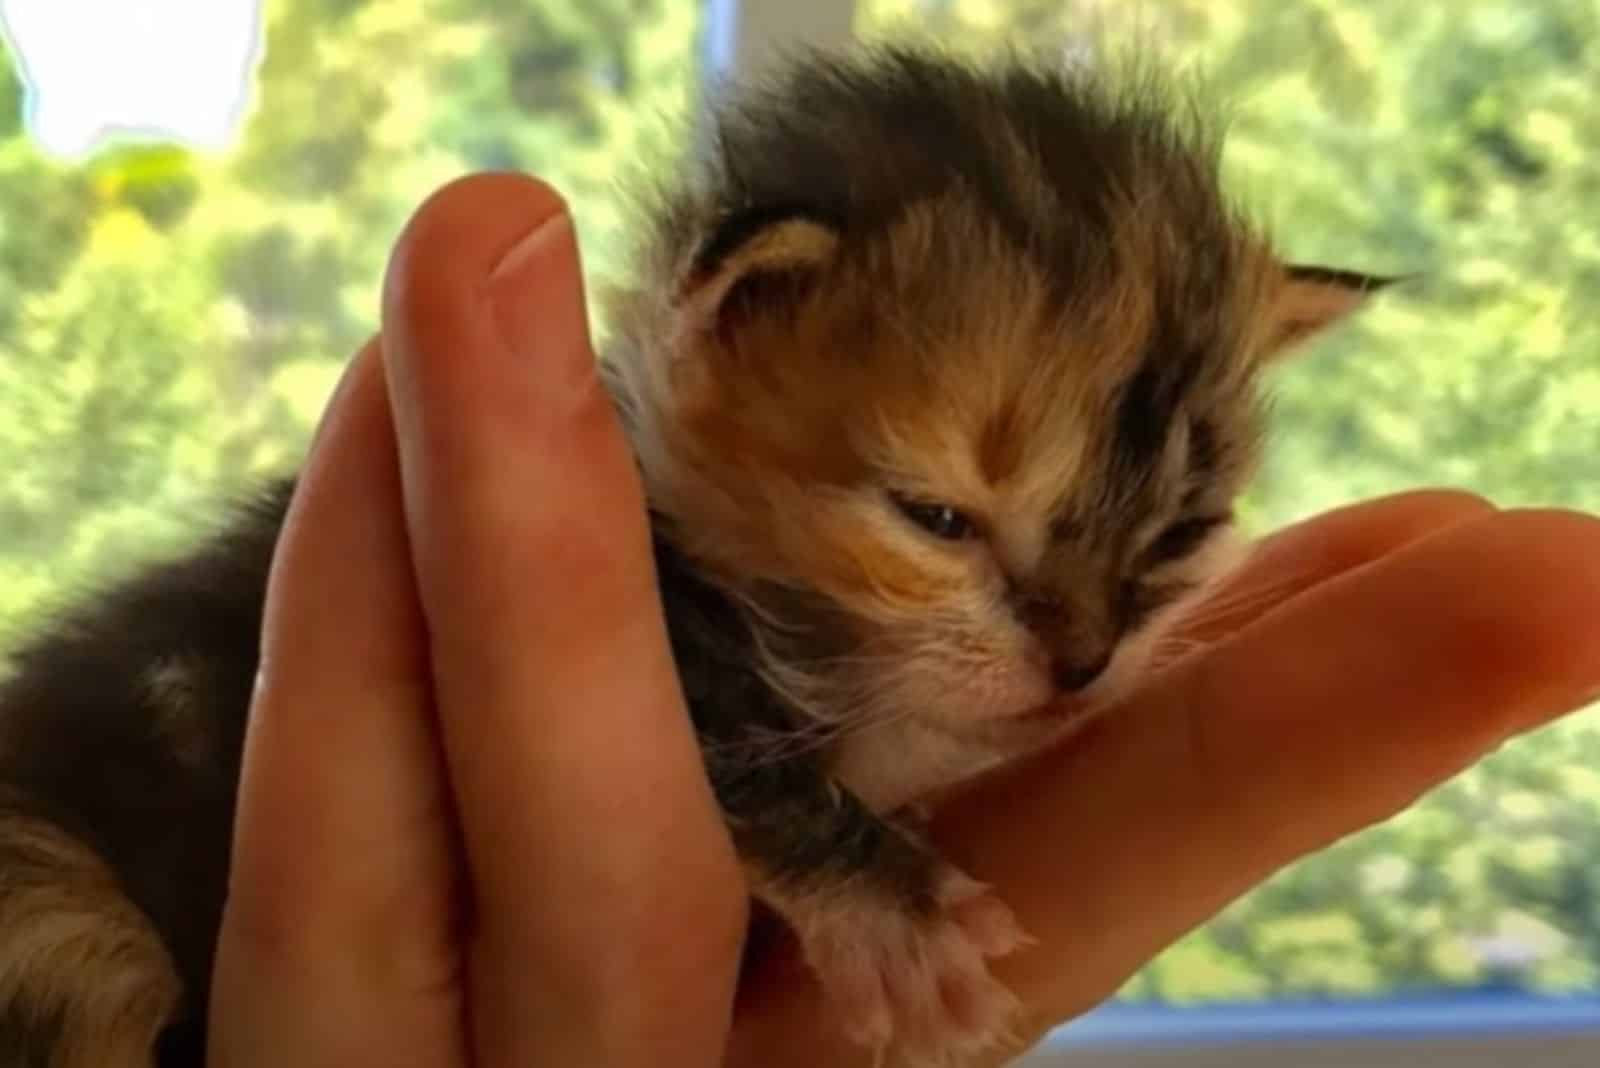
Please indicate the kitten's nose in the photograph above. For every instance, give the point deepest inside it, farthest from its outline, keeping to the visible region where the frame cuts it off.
(1072, 675)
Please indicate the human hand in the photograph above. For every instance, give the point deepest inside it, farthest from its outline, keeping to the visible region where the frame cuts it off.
(1359, 660)
(473, 828)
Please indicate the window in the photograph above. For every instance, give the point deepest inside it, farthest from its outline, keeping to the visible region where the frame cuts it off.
(172, 320)
(156, 301)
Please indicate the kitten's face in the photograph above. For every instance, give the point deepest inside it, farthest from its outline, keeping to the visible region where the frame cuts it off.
(963, 475)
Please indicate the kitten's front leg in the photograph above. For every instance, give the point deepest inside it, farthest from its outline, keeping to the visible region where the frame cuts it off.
(898, 938)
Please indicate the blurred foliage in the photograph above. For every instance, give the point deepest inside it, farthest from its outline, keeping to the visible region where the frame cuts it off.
(1461, 142)
(171, 324)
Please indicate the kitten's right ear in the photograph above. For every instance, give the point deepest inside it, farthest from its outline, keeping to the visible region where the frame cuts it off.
(751, 268)
(1310, 300)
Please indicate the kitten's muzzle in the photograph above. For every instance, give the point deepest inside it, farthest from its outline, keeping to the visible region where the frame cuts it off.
(1076, 642)
(1071, 675)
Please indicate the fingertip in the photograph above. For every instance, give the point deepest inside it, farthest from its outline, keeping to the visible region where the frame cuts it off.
(1443, 499)
(1519, 589)
(1573, 535)
(1541, 628)
(493, 380)
(353, 454)
(1291, 561)
(1434, 507)
(1478, 632)
(484, 293)
(461, 233)
(1356, 533)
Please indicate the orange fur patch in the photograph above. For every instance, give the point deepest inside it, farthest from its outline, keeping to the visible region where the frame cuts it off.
(1032, 296)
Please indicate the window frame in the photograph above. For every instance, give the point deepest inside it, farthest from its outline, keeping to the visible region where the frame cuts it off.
(1469, 1029)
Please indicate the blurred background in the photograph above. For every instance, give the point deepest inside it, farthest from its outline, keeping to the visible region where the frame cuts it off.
(171, 323)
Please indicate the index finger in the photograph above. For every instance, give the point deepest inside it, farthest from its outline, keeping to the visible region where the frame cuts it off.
(338, 940)
(1333, 710)
(1336, 711)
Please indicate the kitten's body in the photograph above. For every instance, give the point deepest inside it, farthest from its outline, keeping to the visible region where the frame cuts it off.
(942, 382)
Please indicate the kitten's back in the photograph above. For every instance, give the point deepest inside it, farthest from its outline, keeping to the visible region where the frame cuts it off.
(120, 732)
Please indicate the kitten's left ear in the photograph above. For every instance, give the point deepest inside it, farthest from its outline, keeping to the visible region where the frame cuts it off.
(754, 268)
(1309, 300)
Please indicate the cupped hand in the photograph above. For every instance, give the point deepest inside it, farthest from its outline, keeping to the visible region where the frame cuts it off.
(473, 828)
(1361, 659)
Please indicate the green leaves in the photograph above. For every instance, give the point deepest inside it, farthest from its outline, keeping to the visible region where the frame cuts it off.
(171, 322)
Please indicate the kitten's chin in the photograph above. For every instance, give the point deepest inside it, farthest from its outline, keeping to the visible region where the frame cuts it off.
(903, 761)
(908, 759)
(960, 725)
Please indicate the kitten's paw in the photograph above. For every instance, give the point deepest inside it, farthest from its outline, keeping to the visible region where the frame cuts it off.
(917, 988)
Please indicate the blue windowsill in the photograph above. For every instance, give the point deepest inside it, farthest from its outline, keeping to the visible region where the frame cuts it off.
(1417, 1016)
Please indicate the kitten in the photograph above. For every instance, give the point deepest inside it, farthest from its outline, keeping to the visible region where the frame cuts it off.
(943, 379)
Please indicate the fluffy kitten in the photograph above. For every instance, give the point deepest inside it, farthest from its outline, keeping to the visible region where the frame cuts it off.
(943, 380)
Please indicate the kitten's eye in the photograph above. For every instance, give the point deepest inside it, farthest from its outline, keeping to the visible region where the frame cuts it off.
(940, 520)
(1182, 538)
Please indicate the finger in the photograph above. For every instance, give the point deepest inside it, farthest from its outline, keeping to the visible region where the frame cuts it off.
(337, 944)
(609, 905)
(779, 1001)
(1288, 562)
(1129, 871)
(1335, 712)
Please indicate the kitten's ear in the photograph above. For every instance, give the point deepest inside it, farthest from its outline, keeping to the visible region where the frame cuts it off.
(1309, 300)
(752, 268)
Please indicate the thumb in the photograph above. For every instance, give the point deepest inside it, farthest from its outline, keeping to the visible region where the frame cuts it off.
(607, 898)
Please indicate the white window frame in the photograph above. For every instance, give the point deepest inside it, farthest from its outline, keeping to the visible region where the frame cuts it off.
(1471, 1030)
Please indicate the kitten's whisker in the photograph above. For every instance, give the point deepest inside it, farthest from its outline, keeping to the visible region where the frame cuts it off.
(766, 750)
(800, 685)
(866, 714)
(804, 739)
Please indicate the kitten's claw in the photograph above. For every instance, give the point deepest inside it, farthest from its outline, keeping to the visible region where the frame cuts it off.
(917, 989)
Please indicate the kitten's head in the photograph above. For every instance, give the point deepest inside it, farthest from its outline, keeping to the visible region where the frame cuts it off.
(950, 374)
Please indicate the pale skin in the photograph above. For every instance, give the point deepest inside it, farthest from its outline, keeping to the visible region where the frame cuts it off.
(473, 827)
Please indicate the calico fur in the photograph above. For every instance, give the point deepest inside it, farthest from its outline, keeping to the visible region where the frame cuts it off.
(899, 295)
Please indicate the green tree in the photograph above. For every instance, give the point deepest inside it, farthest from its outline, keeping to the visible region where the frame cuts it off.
(171, 323)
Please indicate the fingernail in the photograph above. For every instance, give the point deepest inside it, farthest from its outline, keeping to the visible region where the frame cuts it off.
(536, 301)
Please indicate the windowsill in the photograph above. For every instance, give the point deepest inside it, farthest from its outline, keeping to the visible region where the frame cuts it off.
(1465, 1030)
(1417, 1016)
